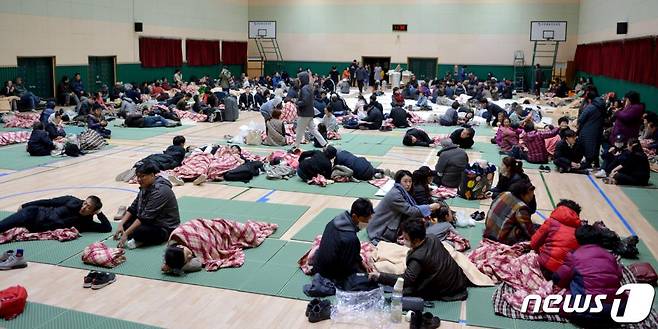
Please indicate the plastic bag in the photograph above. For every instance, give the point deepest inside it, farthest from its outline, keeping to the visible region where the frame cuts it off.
(365, 309)
(462, 220)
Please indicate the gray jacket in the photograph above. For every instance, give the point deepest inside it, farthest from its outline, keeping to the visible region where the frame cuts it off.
(450, 167)
(305, 99)
(157, 205)
(389, 214)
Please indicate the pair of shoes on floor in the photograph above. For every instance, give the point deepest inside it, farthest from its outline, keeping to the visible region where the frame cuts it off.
(11, 260)
(543, 168)
(120, 213)
(97, 280)
(478, 215)
(427, 321)
(318, 310)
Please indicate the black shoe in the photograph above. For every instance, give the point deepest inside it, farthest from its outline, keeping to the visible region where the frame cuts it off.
(480, 216)
(310, 305)
(89, 279)
(320, 312)
(103, 279)
(430, 321)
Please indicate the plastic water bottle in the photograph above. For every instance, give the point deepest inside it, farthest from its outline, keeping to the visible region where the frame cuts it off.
(396, 301)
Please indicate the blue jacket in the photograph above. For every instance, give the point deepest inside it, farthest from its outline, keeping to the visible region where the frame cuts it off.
(363, 169)
(39, 143)
(78, 87)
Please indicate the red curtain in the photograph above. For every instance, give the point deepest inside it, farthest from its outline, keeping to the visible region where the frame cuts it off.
(639, 61)
(202, 52)
(157, 52)
(631, 60)
(234, 52)
(612, 53)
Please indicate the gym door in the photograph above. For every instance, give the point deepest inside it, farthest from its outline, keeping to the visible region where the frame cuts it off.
(38, 75)
(423, 68)
(101, 72)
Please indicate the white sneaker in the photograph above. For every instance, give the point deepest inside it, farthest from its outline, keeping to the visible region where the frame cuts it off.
(600, 174)
(176, 181)
(200, 180)
(131, 244)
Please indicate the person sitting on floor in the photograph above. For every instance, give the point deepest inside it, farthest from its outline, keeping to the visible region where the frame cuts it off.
(316, 162)
(421, 178)
(54, 126)
(508, 220)
(463, 137)
(507, 136)
(361, 167)
(568, 155)
(632, 168)
(96, 121)
(329, 120)
(511, 171)
(534, 145)
(39, 143)
(590, 270)
(492, 111)
(397, 99)
(451, 117)
(556, 237)
(267, 107)
(275, 130)
(153, 215)
(339, 254)
(59, 213)
(431, 273)
(417, 137)
(451, 164)
(399, 116)
(396, 207)
(247, 102)
(375, 116)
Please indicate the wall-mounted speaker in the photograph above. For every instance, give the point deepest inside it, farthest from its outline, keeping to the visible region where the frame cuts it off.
(622, 27)
(139, 27)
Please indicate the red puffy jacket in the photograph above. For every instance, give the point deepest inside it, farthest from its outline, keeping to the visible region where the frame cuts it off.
(556, 238)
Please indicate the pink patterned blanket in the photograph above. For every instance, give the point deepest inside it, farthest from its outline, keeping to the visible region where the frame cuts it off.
(14, 137)
(220, 242)
(22, 234)
(367, 249)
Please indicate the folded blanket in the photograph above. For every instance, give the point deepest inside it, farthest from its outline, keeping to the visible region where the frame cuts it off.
(21, 120)
(14, 137)
(390, 257)
(515, 265)
(472, 273)
(220, 242)
(197, 117)
(99, 254)
(22, 234)
(443, 192)
(318, 180)
(305, 262)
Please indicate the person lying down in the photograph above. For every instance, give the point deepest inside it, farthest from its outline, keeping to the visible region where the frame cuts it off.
(213, 244)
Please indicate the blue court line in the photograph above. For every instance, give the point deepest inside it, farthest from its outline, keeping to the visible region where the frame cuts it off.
(540, 215)
(69, 188)
(614, 209)
(264, 198)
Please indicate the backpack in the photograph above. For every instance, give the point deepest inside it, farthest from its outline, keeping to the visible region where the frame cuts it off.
(476, 182)
(244, 173)
(351, 123)
(91, 140)
(12, 302)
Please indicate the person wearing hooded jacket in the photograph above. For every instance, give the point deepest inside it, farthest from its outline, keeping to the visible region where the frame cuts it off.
(339, 253)
(305, 111)
(450, 167)
(556, 237)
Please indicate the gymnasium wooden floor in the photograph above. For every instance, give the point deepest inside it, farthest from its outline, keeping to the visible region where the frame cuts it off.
(175, 305)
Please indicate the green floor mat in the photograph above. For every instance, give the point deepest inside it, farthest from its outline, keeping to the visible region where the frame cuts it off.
(294, 287)
(294, 184)
(524, 324)
(479, 310)
(141, 133)
(450, 311)
(290, 253)
(280, 214)
(463, 203)
(16, 158)
(270, 279)
(316, 226)
(41, 316)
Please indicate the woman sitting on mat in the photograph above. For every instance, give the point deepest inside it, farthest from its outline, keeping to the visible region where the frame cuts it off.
(397, 207)
(633, 167)
(276, 132)
(431, 273)
(421, 179)
(511, 171)
(507, 136)
(508, 220)
(590, 270)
